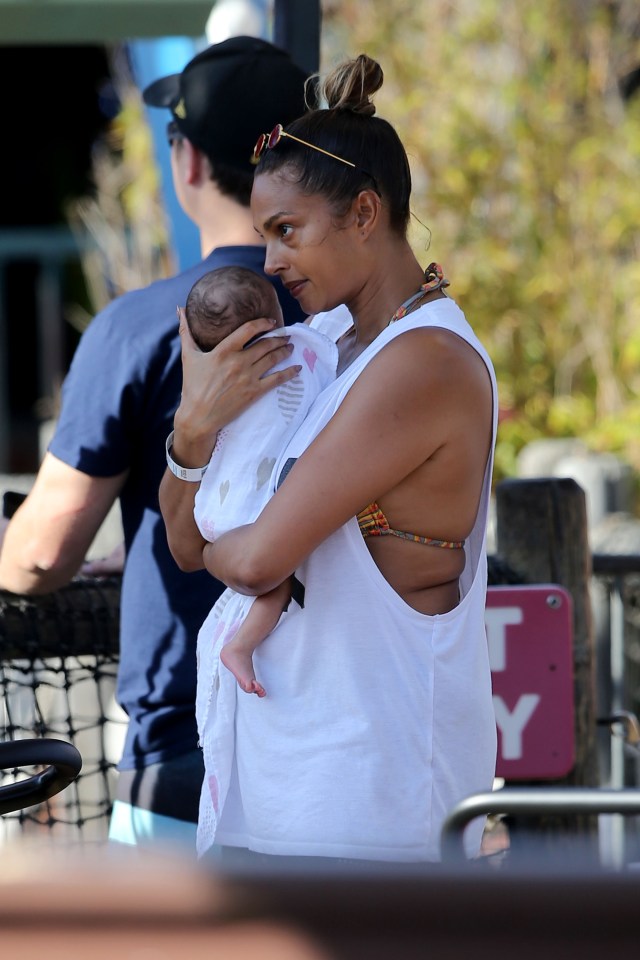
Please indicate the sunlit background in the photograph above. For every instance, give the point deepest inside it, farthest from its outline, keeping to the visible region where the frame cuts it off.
(522, 122)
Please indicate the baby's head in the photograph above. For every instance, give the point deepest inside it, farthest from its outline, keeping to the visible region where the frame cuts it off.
(223, 299)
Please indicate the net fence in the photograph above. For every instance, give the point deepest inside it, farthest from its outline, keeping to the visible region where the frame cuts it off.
(58, 664)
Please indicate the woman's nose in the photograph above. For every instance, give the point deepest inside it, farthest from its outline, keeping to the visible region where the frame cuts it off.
(273, 264)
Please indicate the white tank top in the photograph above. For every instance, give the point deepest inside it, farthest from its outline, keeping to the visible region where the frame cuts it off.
(379, 718)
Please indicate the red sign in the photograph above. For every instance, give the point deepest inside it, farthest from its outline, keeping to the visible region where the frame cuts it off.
(530, 631)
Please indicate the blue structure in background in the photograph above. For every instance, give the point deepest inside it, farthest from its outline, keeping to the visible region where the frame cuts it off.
(297, 28)
(151, 59)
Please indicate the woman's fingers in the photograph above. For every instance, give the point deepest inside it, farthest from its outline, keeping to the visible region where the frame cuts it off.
(265, 358)
(270, 380)
(220, 384)
(246, 332)
(183, 327)
(254, 358)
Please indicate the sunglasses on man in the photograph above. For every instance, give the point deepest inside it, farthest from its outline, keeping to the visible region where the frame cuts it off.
(173, 133)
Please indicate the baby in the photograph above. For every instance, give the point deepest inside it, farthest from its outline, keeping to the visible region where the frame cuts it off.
(223, 299)
(240, 476)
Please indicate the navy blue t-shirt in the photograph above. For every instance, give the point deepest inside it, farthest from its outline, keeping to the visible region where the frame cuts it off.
(118, 403)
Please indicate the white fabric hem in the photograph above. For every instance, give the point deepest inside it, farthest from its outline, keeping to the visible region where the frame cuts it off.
(383, 854)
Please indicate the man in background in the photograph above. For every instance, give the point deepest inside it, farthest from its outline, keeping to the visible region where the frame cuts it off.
(118, 402)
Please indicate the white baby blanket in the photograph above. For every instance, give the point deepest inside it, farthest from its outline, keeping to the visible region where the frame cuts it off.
(238, 483)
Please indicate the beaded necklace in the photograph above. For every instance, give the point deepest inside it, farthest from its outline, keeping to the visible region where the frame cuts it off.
(434, 279)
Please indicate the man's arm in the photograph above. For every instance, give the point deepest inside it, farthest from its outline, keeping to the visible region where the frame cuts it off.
(48, 538)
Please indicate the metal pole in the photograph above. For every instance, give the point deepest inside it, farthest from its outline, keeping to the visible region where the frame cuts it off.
(616, 824)
(5, 411)
(297, 29)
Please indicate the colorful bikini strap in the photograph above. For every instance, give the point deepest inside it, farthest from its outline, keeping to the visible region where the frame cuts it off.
(434, 279)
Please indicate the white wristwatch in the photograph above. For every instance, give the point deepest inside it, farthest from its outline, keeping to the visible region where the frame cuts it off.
(191, 474)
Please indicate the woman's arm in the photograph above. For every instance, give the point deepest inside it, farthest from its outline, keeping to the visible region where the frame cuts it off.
(217, 387)
(425, 392)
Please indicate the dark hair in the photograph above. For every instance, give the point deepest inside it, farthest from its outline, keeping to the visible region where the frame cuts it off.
(349, 129)
(226, 95)
(232, 182)
(222, 299)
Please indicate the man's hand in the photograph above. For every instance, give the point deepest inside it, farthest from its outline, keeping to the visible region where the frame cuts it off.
(105, 566)
(4, 523)
(50, 534)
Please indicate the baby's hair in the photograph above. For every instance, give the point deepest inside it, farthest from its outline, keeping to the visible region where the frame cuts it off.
(223, 299)
(349, 129)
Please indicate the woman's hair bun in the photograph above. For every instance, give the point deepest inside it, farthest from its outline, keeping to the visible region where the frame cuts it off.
(352, 84)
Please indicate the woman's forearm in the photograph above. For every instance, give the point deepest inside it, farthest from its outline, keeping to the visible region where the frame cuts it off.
(183, 536)
(239, 560)
(223, 560)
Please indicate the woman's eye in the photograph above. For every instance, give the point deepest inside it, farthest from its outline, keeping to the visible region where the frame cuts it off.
(285, 229)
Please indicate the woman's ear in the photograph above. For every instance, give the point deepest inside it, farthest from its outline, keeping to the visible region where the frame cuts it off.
(367, 211)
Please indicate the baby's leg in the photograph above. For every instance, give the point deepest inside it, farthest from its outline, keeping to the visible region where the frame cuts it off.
(237, 655)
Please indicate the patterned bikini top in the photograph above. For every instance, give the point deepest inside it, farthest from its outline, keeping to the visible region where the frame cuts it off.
(373, 523)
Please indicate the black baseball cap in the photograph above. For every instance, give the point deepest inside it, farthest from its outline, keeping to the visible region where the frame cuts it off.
(229, 94)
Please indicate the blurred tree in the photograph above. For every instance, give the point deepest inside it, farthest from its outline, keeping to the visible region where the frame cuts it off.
(121, 224)
(522, 125)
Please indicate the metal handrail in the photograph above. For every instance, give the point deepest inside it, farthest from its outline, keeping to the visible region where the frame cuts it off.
(62, 762)
(531, 801)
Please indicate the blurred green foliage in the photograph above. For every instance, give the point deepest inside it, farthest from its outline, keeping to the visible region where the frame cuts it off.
(526, 166)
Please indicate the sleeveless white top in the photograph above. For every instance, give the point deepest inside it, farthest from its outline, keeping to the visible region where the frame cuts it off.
(378, 718)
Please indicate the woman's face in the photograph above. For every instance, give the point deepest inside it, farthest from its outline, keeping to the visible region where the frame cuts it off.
(307, 246)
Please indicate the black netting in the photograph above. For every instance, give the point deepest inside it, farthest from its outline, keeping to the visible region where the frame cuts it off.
(58, 663)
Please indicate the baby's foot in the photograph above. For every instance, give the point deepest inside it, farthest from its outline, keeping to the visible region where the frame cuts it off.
(241, 666)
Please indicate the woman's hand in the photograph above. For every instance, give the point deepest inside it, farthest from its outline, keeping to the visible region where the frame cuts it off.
(221, 384)
(217, 387)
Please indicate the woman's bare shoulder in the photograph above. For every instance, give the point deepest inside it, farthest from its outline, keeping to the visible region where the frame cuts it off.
(435, 353)
(425, 376)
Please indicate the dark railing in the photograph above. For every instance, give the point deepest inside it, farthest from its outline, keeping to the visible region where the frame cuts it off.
(62, 764)
(58, 665)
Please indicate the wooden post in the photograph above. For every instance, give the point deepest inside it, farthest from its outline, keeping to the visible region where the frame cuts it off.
(542, 535)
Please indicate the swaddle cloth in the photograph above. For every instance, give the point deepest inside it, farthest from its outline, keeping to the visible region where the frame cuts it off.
(238, 482)
(214, 714)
